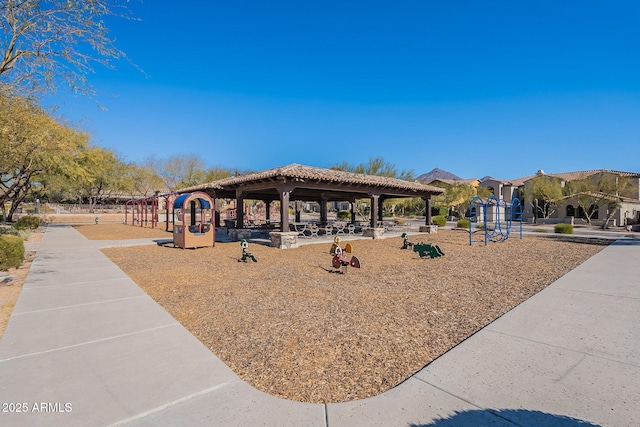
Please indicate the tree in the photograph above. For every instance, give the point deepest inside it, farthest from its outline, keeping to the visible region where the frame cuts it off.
(99, 174)
(375, 166)
(457, 197)
(599, 189)
(47, 42)
(547, 191)
(180, 171)
(33, 148)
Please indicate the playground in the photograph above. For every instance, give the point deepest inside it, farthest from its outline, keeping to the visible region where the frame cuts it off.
(290, 328)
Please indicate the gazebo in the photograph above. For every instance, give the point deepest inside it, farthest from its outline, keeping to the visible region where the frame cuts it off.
(296, 182)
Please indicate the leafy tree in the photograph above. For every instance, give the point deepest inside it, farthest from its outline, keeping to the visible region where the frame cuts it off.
(599, 189)
(457, 197)
(34, 147)
(47, 42)
(547, 191)
(100, 173)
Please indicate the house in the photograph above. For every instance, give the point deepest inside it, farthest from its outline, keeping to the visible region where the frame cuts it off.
(569, 208)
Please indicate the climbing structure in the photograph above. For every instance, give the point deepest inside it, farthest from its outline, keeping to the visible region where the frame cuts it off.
(494, 218)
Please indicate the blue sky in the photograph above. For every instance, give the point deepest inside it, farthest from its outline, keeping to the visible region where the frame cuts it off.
(500, 88)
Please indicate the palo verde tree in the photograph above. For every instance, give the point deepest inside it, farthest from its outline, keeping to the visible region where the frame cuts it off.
(46, 43)
(33, 148)
(545, 192)
(600, 189)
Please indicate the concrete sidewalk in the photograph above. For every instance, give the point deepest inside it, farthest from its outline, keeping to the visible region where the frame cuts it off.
(86, 346)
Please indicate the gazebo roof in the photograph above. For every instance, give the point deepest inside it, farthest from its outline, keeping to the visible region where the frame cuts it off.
(307, 182)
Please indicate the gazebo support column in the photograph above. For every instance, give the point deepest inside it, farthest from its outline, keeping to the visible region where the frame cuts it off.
(267, 213)
(284, 211)
(375, 232)
(239, 210)
(428, 227)
(323, 210)
(353, 210)
(298, 205)
(284, 238)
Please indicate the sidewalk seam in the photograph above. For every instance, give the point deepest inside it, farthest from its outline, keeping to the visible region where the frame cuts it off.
(171, 404)
(88, 342)
(488, 329)
(81, 305)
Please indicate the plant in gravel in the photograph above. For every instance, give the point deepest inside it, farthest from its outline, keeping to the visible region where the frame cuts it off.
(344, 215)
(563, 229)
(11, 251)
(439, 220)
(10, 231)
(29, 221)
(463, 223)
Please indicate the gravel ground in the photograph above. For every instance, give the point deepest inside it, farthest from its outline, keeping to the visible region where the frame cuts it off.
(296, 328)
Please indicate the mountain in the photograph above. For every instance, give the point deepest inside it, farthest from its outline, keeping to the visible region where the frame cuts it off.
(437, 174)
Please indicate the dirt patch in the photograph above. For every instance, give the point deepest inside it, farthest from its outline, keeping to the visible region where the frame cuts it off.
(294, 327)
(119, 231)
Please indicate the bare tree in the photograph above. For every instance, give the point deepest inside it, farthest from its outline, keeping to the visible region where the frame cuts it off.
(45, 43)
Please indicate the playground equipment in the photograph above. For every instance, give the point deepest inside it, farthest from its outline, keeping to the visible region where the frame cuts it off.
(406, 244)
(246, 255)
(192, 221)
(427, 249)
(423, 249)
(494, 217)
(339, 260)
(146, 211)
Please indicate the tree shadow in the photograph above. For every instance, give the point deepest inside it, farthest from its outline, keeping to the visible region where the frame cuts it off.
(506, 417)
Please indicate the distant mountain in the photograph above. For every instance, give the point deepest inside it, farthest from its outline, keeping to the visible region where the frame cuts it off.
(437, 174)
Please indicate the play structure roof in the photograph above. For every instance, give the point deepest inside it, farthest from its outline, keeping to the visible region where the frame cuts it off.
(180, 200)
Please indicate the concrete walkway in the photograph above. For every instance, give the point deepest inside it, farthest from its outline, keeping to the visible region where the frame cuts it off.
(85, 346)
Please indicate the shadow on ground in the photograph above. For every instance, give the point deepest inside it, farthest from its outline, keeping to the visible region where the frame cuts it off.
(518, 417)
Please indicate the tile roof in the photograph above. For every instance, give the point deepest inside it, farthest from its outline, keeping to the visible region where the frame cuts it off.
(296, 171)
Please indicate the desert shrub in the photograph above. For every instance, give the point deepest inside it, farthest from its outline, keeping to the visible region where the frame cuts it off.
(439, 220)
(563, 228)
(11, 251)
(463, 223)
(344, 215)
(29, 221)
(10, 231)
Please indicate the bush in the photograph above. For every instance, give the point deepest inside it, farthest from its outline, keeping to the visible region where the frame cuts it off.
(463, 223)
(10, 231)
(344, 215)
(29, 221)
(439, 220)
(563, 228)
(11, 251)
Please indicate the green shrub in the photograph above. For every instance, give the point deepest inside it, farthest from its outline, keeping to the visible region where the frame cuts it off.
(11, 251)
(10, 231)
(29, 221)
(463, 223)
(344, 215)
(563, 228)
(439, 220)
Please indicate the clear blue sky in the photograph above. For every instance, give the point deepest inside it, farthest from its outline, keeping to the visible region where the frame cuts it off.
(500, 88)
